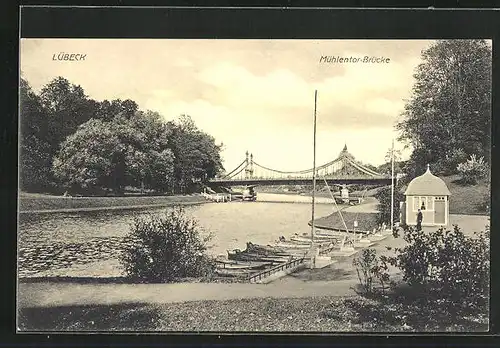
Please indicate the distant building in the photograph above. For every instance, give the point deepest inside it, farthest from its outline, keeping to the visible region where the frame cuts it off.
(430, 194)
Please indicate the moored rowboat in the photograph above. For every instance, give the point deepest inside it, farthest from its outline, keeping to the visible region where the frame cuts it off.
(232, 264)
(293, 245)
(286, 252)
(265, 249)
(234, 272)
(317, 239)
(247, 256)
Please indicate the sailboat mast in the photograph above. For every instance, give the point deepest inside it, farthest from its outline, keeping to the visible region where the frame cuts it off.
(314, 167)
(392, 185)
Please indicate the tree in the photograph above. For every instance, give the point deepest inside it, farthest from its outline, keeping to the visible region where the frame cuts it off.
(111, 155)
(91, 159)
(35, 158)
(397, 159)
(448, 116)
(67, 107)
(197, 156)
(155, 159)
(384, 206)
(107, 110)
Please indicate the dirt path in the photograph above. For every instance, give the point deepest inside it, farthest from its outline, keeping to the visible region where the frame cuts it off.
(369, 205)
(63, 294)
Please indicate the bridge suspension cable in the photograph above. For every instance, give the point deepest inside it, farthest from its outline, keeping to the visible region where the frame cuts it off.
(234, 170)
(362, 168)
(235, 174)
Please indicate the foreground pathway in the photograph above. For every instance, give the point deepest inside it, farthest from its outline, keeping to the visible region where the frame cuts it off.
(63, 294)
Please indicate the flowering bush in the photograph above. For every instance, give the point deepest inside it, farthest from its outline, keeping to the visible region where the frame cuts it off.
(472, 169)
(164, 248)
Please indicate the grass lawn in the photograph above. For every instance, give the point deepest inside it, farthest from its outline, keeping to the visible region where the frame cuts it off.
(33, 202)
(323, 314)
(468, 200)
(366, 221)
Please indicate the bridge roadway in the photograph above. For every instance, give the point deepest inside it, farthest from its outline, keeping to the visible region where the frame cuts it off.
(302, 181)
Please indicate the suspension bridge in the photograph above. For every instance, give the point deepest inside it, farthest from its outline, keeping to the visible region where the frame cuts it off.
(341, 171)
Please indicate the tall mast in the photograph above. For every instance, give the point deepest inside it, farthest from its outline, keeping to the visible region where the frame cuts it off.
(314, 167)
(392, 185)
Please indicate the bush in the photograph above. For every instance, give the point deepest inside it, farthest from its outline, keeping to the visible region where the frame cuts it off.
(166, 247)
(369, 268)
(472, 170)
(453, 267)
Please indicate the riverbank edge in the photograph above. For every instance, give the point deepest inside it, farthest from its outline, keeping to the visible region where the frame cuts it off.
(173, 201)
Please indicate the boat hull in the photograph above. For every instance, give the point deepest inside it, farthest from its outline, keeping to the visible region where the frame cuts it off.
(317, 239)
(241, 273)
(290, 245)
(245, 256)
(232, 264)
(265, 249)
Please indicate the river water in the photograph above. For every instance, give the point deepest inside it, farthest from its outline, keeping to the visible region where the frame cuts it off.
(87, 244)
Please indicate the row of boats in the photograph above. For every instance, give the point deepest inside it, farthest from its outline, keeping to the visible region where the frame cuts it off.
(257, 258)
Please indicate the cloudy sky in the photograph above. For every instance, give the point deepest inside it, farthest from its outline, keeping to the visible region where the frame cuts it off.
(255, 95)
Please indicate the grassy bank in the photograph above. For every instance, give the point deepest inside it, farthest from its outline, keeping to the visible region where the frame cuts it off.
(321, 314)
(468, 199)
(38, 202)
(366, 221)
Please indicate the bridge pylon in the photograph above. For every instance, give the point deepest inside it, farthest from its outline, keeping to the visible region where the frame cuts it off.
(249, 166)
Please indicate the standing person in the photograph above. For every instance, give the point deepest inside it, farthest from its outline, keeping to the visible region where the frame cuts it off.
(419, 220)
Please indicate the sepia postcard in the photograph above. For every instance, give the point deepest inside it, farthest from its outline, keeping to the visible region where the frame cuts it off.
(203, 185)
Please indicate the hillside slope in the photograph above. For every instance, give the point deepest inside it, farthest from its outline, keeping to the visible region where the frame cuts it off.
(468, 200)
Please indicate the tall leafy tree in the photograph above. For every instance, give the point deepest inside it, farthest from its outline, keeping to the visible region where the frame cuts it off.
(448, 116)
(35, 157)
(111, 155)
(107, 110)
(154, 159)
(91, 159)
(67, 107)
(197, 156)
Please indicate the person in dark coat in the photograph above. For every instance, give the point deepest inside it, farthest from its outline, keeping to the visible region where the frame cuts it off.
(419, 220)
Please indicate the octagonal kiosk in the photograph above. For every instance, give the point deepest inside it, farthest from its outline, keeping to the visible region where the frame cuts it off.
(430, 194)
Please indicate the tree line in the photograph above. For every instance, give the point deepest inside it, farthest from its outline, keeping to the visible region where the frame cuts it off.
(70, 142)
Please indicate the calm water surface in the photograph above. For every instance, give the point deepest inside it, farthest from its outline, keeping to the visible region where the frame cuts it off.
(88, 243)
